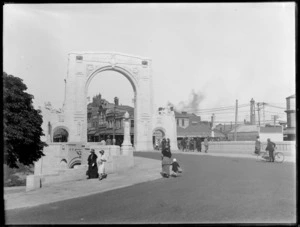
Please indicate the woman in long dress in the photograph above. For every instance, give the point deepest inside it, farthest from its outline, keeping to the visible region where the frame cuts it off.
(166, 158)
(92, 163)
(101, 165)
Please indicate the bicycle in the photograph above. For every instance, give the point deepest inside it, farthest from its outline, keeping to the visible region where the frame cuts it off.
(264, 156)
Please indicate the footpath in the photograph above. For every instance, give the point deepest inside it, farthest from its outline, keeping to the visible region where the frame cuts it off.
(144, 170)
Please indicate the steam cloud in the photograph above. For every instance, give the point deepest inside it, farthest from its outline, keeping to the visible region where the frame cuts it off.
(190, 106)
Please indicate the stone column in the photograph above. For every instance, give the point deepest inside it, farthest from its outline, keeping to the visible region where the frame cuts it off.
(126, 145)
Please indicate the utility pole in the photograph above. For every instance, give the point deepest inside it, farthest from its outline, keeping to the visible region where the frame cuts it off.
(236, 117)
(258, 113)
(275, 117)
(252, 112)
(264, 113)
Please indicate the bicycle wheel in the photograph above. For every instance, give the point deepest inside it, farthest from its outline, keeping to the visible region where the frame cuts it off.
(261, 156)
(279, 157)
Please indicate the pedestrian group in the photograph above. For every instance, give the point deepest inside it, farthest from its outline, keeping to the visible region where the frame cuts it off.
(192, 144)
(96, 165)
(169, 167)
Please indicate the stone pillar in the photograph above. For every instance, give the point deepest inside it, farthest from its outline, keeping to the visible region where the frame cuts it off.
(126, 145)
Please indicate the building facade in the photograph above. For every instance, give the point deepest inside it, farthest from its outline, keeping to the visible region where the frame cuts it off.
(106, 120)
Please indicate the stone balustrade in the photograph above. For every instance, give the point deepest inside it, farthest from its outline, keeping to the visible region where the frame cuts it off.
(246, 147)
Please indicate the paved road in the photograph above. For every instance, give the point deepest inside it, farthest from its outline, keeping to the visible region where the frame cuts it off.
(211, 190)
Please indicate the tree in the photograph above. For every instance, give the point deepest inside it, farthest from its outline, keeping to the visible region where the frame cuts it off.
(22, 124)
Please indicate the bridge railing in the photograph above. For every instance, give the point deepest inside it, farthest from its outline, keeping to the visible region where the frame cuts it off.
(246, 147)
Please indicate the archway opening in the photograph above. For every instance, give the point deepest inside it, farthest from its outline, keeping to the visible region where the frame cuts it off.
(157, 137)
(110, 94)
(60, 135)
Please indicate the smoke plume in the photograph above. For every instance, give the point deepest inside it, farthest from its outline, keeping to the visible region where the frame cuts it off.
(190, 106)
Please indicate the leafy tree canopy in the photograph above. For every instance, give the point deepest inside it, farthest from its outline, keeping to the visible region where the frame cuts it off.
(22, 124)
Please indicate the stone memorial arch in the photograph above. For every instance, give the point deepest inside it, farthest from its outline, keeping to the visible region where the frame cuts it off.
(83, 67)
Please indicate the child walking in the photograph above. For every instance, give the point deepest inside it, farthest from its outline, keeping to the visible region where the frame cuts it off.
(175, 168)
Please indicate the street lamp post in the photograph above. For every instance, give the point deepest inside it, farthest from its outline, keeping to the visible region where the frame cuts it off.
(114, 124)
(116, 101)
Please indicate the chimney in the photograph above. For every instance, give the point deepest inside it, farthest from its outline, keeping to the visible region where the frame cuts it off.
(184, 112)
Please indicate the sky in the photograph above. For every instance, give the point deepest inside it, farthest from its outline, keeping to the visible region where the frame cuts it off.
(204, 55)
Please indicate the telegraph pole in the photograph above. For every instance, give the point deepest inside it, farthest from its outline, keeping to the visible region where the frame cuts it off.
(258, 113)
(236, 117)
(275, 118)
(264, 113)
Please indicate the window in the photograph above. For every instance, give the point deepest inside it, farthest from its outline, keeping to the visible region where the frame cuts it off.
(132, 123)
(182, 122)
(177, 122)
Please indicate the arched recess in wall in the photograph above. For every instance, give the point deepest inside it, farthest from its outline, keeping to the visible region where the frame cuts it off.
(60, 135)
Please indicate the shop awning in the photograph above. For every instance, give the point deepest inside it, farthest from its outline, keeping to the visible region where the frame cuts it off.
(92, 132)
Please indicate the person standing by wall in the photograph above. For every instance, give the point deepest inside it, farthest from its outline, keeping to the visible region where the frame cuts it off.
(182, 142)
(206, 144)
(257, 145)
(191, 147)
(195, 144)
(186, 143)
(108, 141)
(198, 144)
(102, 142)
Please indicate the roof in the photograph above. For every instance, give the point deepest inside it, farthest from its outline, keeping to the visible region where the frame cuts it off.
(194, 131)
(275, 129)
(246, 128)
(186, 115)
(218, 133)
(226, 127)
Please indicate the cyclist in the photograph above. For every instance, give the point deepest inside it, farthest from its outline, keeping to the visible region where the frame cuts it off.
(271, 147)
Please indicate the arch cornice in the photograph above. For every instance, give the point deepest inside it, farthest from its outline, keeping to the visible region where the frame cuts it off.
(109, 53)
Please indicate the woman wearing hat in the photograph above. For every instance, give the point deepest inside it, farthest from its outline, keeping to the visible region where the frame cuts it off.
(101, 165)
(92, 162)
(166, 158)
